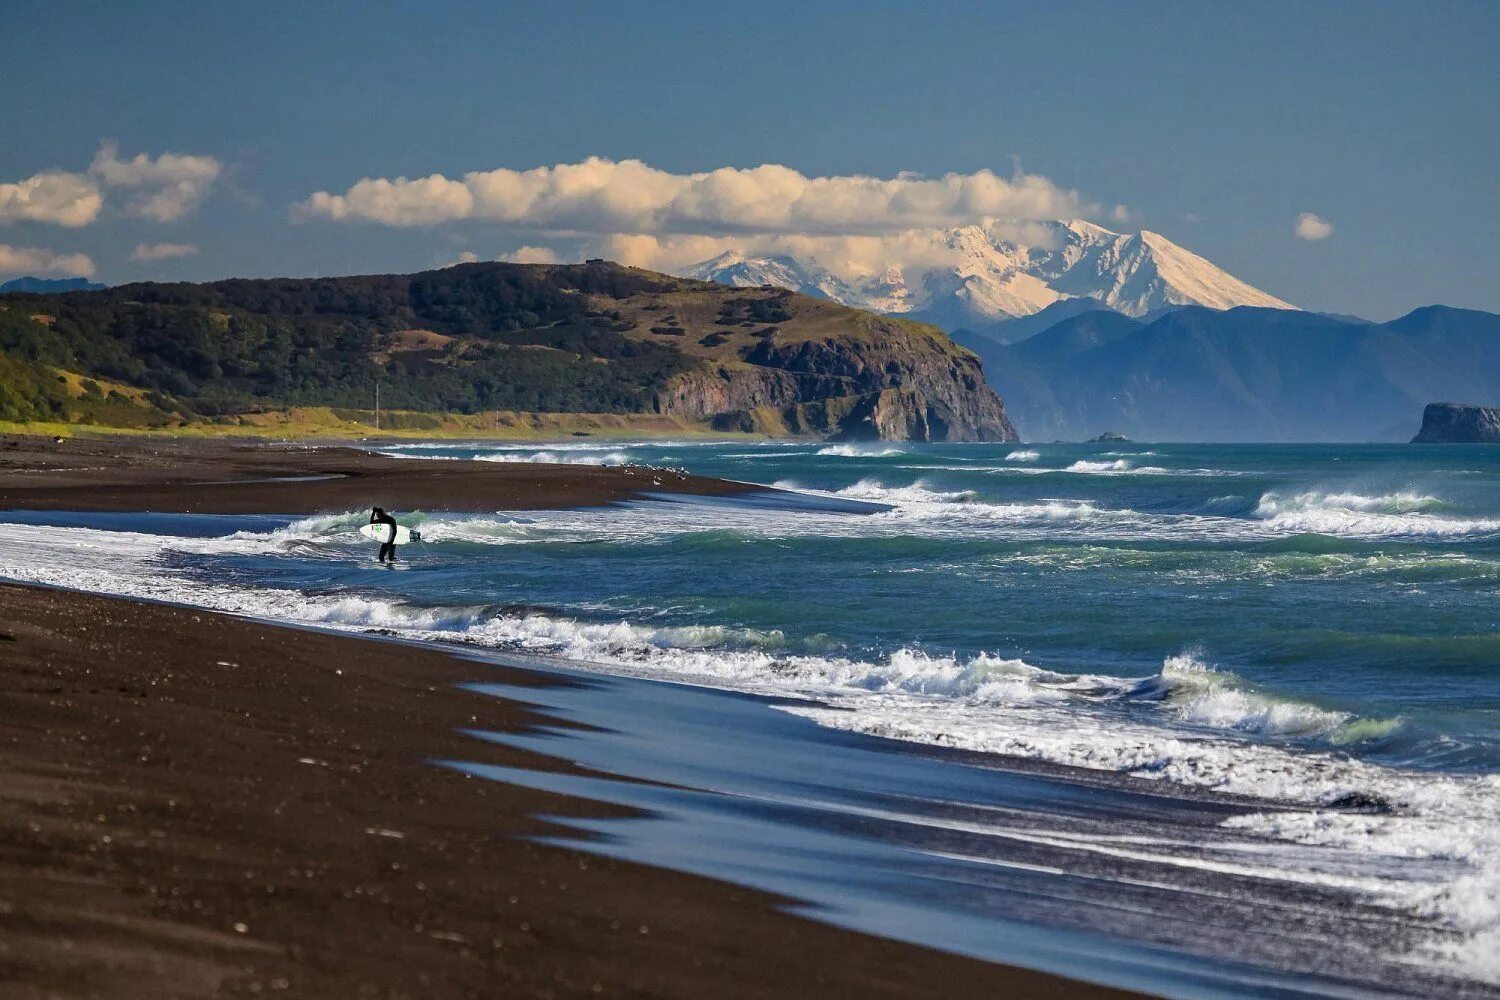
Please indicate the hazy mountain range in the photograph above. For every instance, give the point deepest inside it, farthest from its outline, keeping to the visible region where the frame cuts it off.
(46, 286)
(982, 279)
(1245, 374)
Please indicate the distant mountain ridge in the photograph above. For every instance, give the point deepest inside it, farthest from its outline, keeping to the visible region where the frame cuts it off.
(990, 279)
(49, 286)
(1246, 374)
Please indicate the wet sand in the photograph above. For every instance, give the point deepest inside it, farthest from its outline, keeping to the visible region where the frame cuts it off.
(201, 805)
(194, 476)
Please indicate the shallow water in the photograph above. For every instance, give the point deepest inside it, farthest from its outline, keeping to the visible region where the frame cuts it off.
(1314, 625)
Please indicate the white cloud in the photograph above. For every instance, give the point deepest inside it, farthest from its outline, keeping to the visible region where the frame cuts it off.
(531, 255)
(162, 251)
(165, 188)
(913, 251)
(599, 196)
(31, 260)
(1310, 227)
(54, 196)
(464, 257)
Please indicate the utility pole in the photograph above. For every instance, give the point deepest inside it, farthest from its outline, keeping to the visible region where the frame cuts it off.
(377, 405)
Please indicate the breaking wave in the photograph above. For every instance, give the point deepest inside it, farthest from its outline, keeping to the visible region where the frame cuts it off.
(860, 451)
(559, 457)
(1118, 465)
(1355, 515)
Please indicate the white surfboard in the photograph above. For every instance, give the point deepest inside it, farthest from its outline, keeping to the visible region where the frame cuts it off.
(382, 533)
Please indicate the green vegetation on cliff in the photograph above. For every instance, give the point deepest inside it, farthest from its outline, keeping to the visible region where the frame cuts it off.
(594, 338)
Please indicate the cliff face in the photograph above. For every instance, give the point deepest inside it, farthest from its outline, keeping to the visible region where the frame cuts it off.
(1459, 423)
(880, 379)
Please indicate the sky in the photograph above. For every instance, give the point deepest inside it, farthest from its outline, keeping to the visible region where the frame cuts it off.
(1341, 156)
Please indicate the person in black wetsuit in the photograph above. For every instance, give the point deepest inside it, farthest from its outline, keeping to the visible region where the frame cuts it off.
(387, 547)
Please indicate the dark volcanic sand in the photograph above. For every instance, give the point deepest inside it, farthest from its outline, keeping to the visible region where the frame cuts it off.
(193, 476)
(198, 804)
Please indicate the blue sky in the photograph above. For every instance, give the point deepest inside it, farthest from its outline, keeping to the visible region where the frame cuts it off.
(1217, 125)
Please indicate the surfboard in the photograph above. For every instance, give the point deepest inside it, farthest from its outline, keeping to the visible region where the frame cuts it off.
(382, 533)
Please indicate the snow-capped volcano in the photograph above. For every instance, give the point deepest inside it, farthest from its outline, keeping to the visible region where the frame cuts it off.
(982, 278)
(885, 292)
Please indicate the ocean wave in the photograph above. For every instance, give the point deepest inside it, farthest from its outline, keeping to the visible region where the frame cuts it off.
(1024, 455)
(1082, 465)
(1125, 467)
(1356, 515)
(1197, 693)
(860, 451)
(559, 457)
(918, 492)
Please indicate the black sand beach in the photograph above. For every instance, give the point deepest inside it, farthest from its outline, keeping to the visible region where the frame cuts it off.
(203, 805)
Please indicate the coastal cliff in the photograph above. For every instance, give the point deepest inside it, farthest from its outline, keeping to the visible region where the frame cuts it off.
(878, 379)
(585, 339)
(1459, 423)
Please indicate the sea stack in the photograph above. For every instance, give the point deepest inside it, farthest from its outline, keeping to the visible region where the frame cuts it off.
(1459, 423)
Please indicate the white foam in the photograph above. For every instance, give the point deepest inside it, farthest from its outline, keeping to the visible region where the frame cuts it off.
(1202, 695)
(918, 492)
(1082, 465)
(860, 451)
(1354, 515)
(1024, 455)
(559, 457)
(1125, 467)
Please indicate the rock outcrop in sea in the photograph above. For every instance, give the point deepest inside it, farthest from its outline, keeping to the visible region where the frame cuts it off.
(1459, 423)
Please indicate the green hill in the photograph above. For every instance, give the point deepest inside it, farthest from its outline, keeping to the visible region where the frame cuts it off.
(594, 338)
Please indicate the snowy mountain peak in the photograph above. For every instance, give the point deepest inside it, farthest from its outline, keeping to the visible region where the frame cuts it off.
(971, 276)
(726, 259)
(1088, 230)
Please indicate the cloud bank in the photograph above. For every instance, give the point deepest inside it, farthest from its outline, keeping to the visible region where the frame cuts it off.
(913, 250)
(164, 188)
(31, 260)
(162, 251)
(1311, 228)
(599, 196)
(632, 212)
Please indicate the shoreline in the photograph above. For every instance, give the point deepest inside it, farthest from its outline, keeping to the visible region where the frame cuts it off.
(168, 476)
(203, 804)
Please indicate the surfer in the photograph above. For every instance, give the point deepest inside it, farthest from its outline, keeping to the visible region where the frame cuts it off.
(387, 547)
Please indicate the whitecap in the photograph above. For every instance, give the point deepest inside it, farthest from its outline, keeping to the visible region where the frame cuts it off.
(1358, 515)
(860, 451)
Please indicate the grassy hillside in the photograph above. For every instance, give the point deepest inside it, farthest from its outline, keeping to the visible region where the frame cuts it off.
(468, 340)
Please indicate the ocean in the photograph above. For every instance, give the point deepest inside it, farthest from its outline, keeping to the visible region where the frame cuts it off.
(1197, 719)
